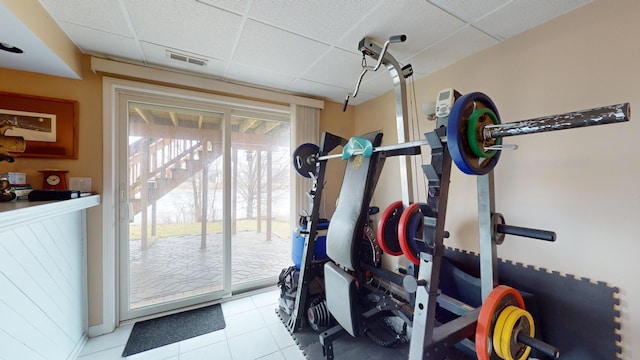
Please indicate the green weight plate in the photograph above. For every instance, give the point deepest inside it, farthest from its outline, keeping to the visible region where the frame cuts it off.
(474, 132)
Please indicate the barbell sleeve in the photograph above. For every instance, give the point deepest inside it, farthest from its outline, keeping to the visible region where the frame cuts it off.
(576, 119)
(541, 346)
(526, 232)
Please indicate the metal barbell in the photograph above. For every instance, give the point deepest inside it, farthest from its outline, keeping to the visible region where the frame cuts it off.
(474, 134)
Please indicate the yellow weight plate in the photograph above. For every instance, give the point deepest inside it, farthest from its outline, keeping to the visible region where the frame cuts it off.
(497, 330)
(499, 298)
(509, 346)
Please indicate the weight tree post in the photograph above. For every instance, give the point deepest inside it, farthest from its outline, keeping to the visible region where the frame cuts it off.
(488, 248)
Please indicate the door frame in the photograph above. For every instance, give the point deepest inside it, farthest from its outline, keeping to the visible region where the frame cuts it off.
(112, 196)
(125, 97)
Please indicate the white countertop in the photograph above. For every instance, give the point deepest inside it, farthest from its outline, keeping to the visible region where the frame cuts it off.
(21, 212)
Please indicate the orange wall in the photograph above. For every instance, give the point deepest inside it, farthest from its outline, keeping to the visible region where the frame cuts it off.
(88, 93)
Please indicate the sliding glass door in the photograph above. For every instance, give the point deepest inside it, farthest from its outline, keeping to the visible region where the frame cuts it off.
(260, 231)
(207, 196)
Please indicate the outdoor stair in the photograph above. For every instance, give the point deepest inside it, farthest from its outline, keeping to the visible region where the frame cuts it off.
(184, 159)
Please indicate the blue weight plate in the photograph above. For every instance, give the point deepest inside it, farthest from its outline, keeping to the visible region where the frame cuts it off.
(461, 153)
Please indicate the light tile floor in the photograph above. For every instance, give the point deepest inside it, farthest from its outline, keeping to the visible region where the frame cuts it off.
(253, 331)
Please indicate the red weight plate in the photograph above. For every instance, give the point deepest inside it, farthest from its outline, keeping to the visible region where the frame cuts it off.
(499, 298)
(387, 229)
(403, 230)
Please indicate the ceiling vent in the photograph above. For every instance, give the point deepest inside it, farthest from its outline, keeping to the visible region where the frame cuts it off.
(186, 58)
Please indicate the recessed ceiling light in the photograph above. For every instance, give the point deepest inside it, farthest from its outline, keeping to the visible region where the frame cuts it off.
(10, 48)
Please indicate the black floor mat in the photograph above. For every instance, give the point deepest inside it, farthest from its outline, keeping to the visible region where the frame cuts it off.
(150, 334)
(578, 316)
(346, 347)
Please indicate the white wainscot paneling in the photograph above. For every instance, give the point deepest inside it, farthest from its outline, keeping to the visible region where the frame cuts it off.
(43, 287)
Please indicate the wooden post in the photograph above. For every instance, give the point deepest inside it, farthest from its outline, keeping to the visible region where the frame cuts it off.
(234, 188)
(259, 190)
(144, 192)
(205, 194)
(269, 190)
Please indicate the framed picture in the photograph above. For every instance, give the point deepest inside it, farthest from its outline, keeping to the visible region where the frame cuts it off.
(49, 126)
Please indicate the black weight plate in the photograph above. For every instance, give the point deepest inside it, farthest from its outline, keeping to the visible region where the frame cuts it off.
(304, 159)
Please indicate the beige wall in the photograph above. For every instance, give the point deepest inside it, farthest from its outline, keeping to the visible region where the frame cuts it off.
(336, 122)
(88, 93)
(581, 183)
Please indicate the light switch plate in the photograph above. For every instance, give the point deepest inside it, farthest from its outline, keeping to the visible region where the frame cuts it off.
(80, 183)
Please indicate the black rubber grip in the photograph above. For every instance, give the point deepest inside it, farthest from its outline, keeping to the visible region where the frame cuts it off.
(526, 232)
(346, 102)
(398, 38)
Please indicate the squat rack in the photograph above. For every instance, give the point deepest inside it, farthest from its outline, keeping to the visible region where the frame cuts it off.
(449, 142)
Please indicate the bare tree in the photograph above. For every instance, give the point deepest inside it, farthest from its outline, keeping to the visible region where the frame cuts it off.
(248, 185)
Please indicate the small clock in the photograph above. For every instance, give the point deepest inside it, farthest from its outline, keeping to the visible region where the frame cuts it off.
(54, 179)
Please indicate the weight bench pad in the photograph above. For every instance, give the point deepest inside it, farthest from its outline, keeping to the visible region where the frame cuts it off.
(347, 222)
(341, 300)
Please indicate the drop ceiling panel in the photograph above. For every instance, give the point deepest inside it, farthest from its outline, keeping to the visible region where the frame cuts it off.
(258, 76)
(331, 93)
(423, 23)
(470, 11)
(378, 82)
(104, 15)
(264, 46)
(196, 28)
(309, 47)
(458, 46)
(236, 6)
(336, 67)
(100, 43)
(519, 16)
(313, 19)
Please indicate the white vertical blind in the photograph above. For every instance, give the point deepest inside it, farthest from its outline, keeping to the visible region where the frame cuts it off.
(305, 125)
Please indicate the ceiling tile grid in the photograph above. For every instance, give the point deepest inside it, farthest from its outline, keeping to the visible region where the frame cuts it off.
(104, 44)
(188, 25)
(519, 16)
(423, 23)
(324, 21)
(268, 47)
(336, 67)
(308, 47)
(237, 6)
(470, 11)
(457, 46)
(102, 15)
(258, 76)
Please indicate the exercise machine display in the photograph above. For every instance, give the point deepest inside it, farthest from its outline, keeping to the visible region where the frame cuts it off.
(469, 134)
